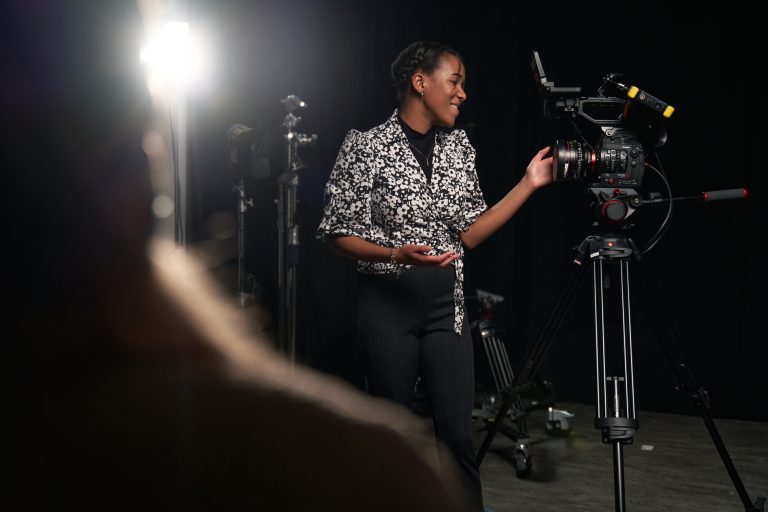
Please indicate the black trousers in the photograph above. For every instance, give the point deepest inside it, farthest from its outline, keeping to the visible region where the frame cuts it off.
(406, 329)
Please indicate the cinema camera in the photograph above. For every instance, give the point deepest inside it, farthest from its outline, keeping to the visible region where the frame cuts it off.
(627, 127)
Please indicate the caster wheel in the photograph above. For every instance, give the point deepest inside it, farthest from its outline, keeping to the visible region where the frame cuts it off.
(523, 463)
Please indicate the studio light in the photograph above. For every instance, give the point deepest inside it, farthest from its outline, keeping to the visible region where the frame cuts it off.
(174, 61)
(173, 57)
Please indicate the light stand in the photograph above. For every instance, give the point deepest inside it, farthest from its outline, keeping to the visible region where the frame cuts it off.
(242, 206)
(245, 157)
(288, 226)
(178, 124)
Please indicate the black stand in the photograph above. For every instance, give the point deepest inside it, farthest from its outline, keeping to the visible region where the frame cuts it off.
(287, 260)
(242, 206)
(241, 141)
(288, 226)
(615, 404)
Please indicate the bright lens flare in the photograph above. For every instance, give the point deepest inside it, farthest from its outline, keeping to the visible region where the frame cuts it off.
(172, 57)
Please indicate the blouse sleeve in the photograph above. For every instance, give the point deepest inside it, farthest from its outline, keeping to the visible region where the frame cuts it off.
(347, 199)
(474, 204)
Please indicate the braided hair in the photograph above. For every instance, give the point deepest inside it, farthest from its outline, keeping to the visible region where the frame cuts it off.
(423, 55)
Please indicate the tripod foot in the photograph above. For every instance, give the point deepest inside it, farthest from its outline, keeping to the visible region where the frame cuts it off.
(557, 422)
(759, 505)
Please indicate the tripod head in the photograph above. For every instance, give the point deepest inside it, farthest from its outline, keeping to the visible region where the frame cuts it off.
(612, 207)
(486, 302)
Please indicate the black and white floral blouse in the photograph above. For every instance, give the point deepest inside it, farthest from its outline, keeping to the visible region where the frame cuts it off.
(378, 192)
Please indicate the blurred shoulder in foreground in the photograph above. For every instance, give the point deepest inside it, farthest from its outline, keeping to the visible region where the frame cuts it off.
(155, 394)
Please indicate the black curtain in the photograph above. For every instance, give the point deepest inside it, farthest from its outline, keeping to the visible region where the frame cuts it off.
(335, 54)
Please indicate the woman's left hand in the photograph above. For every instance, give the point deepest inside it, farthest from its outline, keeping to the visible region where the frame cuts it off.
(539, 171)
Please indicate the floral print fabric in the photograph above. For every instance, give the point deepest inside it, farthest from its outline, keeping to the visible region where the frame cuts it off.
(378, 192)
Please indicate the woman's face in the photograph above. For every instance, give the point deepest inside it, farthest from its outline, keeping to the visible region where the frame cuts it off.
(444, 90)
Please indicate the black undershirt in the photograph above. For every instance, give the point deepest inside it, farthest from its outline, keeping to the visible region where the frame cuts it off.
(422, 146)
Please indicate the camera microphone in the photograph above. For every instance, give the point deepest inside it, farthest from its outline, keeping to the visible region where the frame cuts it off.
(646, 99)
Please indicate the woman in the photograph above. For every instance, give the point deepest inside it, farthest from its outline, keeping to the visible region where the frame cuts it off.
(404, 200)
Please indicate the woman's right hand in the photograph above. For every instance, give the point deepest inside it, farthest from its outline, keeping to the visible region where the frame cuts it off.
(414, 254)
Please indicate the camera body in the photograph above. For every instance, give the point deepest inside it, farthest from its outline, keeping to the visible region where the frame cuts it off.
(617, 159)
(624, 128)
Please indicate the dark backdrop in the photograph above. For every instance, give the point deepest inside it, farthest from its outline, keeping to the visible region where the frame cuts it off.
(336, 55)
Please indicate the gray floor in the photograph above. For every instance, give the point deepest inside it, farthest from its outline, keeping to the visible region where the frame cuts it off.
(672, 465)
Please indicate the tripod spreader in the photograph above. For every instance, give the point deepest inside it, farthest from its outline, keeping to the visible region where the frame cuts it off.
(617, 429)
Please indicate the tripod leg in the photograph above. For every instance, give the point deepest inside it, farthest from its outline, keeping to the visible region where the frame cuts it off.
(554, 320)
(618, 476)
(686, 381)
(492, 431)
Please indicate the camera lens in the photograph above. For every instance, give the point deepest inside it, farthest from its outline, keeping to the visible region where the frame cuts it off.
(573, 161)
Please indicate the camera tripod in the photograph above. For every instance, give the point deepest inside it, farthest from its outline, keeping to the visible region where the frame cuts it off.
(615, 414)
(489, 338)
